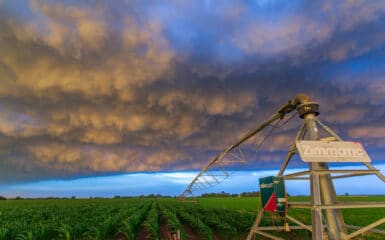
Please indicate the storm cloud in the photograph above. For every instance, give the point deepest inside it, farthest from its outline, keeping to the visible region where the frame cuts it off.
(94, 87)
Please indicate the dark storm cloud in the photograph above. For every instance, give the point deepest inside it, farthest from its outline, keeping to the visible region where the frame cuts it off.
(94, 87)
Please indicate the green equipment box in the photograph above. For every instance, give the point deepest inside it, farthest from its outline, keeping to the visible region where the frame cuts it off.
(273, 194)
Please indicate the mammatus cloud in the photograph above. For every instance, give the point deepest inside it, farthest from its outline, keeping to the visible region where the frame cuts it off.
(123, 86)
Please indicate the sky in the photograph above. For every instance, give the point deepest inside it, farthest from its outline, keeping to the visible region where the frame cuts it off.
(173, 183)
(91, 90)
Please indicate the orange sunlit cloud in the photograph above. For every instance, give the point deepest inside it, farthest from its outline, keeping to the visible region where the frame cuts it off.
(89, 89)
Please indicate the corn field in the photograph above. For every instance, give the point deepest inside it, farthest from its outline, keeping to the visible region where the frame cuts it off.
(130, 218)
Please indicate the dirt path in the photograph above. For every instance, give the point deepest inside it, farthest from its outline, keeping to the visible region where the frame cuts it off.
(216, 237)
(164, 232)
(143, 234)
(121, 236)
(190, 234)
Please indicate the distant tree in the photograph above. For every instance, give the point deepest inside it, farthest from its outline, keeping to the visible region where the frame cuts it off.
(166, 196)
(346, 194)
(3, 198)
(220, 194)
(73, 197)
(224, 194)
(250, 194)
(116, 196)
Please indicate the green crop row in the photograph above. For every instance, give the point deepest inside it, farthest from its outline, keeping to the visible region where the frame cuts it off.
(227, 224)
(131, 223)
(147, 218)
(173, 223)
(66, 219)
(151, 223)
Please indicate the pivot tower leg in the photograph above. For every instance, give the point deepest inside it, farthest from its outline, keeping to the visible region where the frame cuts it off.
(322, 192)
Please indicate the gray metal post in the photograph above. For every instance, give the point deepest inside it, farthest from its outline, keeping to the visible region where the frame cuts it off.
(322, 192)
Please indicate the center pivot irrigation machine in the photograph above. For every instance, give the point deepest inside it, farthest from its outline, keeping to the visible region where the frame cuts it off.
(316, 145)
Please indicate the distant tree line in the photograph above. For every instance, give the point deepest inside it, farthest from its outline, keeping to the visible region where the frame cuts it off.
(224, 194)
(152, 195)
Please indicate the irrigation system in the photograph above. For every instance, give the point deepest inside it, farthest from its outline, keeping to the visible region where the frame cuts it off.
(317, 145)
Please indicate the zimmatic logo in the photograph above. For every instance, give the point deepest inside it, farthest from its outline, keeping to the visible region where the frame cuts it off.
(333, 151)
(322, 151)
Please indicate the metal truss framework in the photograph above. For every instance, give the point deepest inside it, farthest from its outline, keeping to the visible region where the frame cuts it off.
(318, 207)
(215, 171)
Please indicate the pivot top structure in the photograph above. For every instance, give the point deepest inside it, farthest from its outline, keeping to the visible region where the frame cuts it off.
(214, 172)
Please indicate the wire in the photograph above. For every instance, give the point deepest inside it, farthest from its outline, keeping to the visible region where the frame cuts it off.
(275, 126)
(287, 120)
(268, 134)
